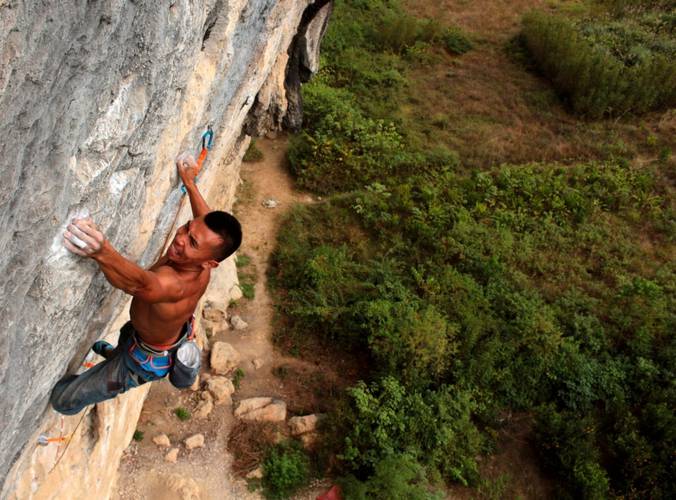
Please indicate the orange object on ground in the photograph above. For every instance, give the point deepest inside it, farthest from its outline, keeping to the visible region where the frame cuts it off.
(333, 494)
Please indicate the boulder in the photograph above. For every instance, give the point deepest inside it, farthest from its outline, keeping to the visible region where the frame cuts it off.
(257, 363)
(224, 358)
(261, 409)
(238, 323)
(221, 388)
(205, 406)
(212, 313)
(304, 424)
(196, 441)
(162, 440)
(172, 456)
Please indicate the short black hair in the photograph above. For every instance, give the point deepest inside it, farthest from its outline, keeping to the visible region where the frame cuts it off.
(228, 228)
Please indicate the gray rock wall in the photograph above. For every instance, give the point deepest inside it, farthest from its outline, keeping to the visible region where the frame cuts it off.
(96, 100)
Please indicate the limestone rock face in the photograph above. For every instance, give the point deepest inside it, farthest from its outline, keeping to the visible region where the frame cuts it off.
(96, 101)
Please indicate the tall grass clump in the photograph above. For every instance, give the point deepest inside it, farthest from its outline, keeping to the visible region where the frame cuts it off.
(588, 72)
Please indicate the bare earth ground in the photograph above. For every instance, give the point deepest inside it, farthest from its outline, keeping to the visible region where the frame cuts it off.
(206, 473)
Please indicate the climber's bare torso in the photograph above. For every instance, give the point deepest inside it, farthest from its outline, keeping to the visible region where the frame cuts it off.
(161, 323)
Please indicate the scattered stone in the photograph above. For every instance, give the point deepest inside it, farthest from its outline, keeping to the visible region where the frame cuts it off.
(211, 328)
(196, 441)
(221, 388)
(304, 424)
(238, 323)
(261, 409)
(205, 406)
(271, 134)
(212, 313)
(224, 358)
(257, 473)
(270, 203)
(257, 363)
(172, 456)
(162, 440)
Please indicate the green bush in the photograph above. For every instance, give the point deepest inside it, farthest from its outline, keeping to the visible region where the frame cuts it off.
(395, 478)
(385, 419)
(456, 41)
(343, 149)
(586, 69)
(510, 288)
(286, 468)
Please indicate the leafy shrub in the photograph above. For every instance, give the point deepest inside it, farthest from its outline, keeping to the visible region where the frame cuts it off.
(396, 477)
(510, 288)
(342, 149)
(456, 41)
(590, 76)
(286, 468)
(384, 420)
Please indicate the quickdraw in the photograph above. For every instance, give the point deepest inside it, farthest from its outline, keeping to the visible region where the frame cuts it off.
(207, 143)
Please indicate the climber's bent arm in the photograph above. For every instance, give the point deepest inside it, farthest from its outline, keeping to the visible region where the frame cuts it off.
(161, 285)
(197, 203)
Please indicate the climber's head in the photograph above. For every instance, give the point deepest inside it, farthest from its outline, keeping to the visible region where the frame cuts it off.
(206, 240)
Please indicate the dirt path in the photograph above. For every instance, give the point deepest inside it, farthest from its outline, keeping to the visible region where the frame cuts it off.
(205, 473)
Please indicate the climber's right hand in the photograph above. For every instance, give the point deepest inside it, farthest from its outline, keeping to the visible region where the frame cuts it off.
(187, 168)
(83, 238)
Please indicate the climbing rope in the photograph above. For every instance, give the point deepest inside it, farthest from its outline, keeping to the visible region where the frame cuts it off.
(45, 440)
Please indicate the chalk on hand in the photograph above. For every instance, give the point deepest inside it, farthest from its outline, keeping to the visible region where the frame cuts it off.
(77, 241)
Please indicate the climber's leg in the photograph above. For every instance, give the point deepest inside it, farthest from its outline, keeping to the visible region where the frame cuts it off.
(101, 382)
(103, 349)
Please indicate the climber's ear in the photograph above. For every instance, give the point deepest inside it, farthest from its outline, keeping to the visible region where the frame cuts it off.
(210, 264)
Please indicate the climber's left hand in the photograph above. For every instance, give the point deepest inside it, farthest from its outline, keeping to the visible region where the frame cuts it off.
(83, 238)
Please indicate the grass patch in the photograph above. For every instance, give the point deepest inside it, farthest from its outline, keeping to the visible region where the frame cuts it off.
(138, 436)
(182, 413)
(242, 260)
(253, 154)
(237, 378)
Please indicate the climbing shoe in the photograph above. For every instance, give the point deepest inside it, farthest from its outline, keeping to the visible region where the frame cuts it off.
(103, 348)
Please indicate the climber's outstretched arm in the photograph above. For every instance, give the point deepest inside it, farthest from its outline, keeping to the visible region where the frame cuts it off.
(83, 238)
(187, 169)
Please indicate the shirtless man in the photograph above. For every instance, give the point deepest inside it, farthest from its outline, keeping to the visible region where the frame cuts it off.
(164, 298)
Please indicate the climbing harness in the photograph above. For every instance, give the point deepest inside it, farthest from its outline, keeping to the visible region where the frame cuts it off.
(158, 360)
(207, 143)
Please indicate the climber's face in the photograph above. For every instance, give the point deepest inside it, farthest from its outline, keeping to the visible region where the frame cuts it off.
(194, 243)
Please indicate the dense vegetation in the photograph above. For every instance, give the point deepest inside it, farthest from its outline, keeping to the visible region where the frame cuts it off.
(546, 289)
(608, 65)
